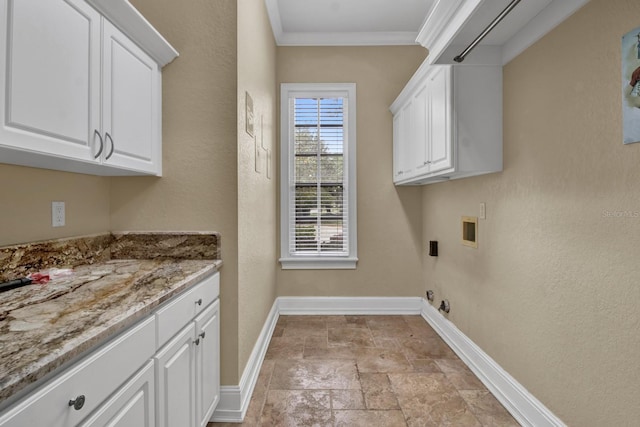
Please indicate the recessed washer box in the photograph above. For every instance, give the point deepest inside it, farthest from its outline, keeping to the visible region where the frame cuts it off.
(470, 231)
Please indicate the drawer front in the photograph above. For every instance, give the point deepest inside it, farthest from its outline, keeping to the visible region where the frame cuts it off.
(184, 307)
(95, 377)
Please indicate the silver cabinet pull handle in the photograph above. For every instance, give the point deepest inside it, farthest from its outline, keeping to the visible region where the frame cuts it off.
(78, 402)
(199, 302)
(106, 135)
(101, 144)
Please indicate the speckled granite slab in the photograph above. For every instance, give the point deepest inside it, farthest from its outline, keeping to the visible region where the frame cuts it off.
(166, 245)
(19, 260)
(42, 327)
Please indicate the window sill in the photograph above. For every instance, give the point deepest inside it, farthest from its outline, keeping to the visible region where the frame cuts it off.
(324, 263)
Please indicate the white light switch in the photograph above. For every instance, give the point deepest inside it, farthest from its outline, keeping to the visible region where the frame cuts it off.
(483, 211)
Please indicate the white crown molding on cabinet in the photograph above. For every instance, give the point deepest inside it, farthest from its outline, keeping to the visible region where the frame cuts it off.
(525, 408)
(131, 22)
(448, 18)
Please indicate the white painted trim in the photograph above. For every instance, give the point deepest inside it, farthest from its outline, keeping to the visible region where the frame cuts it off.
(287, 92)
(522, 405)
(549, 18)
(234, 400)
(349, 305)
(273, 10)
(390, 38)
(131, 22)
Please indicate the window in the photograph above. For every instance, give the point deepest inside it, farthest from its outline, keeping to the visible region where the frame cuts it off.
(318, 176)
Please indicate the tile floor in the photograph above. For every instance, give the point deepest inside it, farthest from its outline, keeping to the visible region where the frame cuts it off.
(366, 371)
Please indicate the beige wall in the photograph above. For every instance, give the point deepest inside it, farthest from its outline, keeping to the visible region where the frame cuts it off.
(552, 291)
(388, 217)
(26, 195)
(256, 193)
(199, 187)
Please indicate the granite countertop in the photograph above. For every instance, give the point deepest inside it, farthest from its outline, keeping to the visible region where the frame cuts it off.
(43, 327)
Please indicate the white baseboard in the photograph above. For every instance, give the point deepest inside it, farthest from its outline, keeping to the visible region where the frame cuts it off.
(525, 408)
(234, 400)
(522, 405)
(350, 305)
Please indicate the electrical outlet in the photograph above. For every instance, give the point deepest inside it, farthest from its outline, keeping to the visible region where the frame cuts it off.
(57, 214)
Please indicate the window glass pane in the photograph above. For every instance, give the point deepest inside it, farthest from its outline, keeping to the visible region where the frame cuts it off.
(319, 213)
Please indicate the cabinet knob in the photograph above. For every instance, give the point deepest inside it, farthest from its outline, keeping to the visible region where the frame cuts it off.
(199, 302)
(202, 335)
(78, 402)
(197, 341)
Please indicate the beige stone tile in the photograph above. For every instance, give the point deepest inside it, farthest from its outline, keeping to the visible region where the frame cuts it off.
(254, 411)
(382, 361)
(295, 408)
(350, 337)
(425, 366)
(356, 322)
(369, 419)
(459, 374)
(314, 374)
(312, 352)
(387, 342)
(431, 348)
(347, 399)
(378, 393)
(304, 331)
(430, 400)
(316, 341)
(285, 348)
(278, 330)
(487, 409)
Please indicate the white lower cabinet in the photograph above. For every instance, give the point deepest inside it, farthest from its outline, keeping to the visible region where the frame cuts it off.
(162, 372)
(131, 406)
(447, 124)
(207, 365)
(188, 373)
(175, 370)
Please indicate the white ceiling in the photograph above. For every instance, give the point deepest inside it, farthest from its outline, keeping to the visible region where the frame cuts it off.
(346, 22)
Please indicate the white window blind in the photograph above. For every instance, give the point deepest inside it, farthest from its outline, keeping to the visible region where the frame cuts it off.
(319, 221)
(318, 192)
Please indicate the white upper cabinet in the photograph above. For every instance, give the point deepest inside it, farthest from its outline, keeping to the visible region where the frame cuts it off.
(454, 128)
(51, 85)
(452, 25)
(76, 93)
(131, 113)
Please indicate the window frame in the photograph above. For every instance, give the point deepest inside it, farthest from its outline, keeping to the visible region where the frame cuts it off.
(311, 262)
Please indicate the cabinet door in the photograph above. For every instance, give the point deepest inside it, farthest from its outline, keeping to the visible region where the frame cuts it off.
(50, 77)
(131, 406)
(131, 105)
(207, 363)
(440, 140)
(175, 374)
(402, 143)
(419, 129)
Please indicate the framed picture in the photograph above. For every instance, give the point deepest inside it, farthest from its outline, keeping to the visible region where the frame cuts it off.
(631, 86)
(249, 114)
